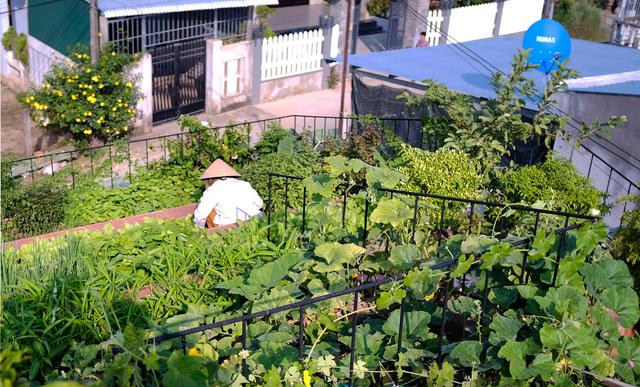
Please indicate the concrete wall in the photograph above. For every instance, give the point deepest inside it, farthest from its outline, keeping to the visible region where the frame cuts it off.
(41, 58)
(20, 16)
(143, 70)
(622, 153)
(284, 87)
(217, 55)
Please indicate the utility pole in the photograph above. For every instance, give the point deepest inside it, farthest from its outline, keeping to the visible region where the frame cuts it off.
(547, 10)
(93, 26)
(345, 67)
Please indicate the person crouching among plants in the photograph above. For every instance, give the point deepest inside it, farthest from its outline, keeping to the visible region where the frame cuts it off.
(226, 199)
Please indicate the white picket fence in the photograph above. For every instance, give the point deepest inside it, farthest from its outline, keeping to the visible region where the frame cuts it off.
(292, 54)
(434, 23)
(478, 21)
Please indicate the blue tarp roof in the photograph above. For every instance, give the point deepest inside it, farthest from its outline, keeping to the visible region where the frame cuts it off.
(459, 72)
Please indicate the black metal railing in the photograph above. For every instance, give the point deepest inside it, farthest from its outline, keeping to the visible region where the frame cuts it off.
(446, 290)
(121, 157)
(445, 201)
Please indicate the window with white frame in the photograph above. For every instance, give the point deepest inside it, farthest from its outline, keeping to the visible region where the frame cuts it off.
(233, 70)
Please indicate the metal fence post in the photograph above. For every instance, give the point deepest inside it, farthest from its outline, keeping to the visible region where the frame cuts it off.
(304, 209)
(354, 323)
(269, 207)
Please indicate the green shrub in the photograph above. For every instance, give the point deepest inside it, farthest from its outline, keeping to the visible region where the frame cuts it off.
(557, 181)
(303, 162)
(11, 41)
(581, 18)
(84, 100)
(270, 139)
(201, 145)
(378, 8)
(35, 208)
(154, 189)
(442, 172)
(8, 38)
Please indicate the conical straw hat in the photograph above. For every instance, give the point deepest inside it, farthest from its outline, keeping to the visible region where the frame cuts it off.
(219, 169)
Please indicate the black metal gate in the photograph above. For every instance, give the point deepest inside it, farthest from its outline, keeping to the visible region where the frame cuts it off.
(178, 79)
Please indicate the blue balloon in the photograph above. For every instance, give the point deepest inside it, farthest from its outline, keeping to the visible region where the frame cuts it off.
(547, 40)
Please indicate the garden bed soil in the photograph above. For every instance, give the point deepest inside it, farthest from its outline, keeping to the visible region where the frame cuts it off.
(170, 213)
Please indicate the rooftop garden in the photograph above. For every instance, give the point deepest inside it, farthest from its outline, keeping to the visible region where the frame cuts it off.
(377, 263)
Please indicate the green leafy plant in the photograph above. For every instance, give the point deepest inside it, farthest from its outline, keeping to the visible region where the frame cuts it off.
(86, 101)
(582, 18)
(301, 161)
(378, 8)
(270, 138)
(12, 41)
(200, 145)
(263, 12)
(626, 243)
(152, 189)
(556, 180)
(36, 208)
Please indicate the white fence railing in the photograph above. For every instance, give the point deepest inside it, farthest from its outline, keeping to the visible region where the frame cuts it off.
(478, 21)
(434, 24)
(41, 59)
(292, 54)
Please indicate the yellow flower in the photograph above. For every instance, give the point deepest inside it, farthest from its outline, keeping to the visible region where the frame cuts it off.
(74, 97)
(78, 120)
(129, 84)
(117, 132)
(113, 109)
(84, 93)
(125, 128)
(113, 53)
(100, 86)
(306, 377)
(430, 297)
(101, 103)
(87, 131)
(193, 351)
(117, 83)
(91, 99)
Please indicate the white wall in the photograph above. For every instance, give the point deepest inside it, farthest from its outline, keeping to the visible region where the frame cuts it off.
(518, 15)
(472, 23)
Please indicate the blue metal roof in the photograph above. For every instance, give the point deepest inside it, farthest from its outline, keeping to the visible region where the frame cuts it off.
(447, 65)
(623, 88)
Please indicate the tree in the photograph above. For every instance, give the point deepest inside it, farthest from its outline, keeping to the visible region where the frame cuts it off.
(488, 129)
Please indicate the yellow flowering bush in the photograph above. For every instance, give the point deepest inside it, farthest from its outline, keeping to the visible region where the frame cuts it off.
(85, 100)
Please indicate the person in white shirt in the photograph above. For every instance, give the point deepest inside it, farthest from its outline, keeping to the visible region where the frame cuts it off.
(227, 199)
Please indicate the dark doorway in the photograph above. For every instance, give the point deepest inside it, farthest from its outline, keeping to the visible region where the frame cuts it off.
(178, 79)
